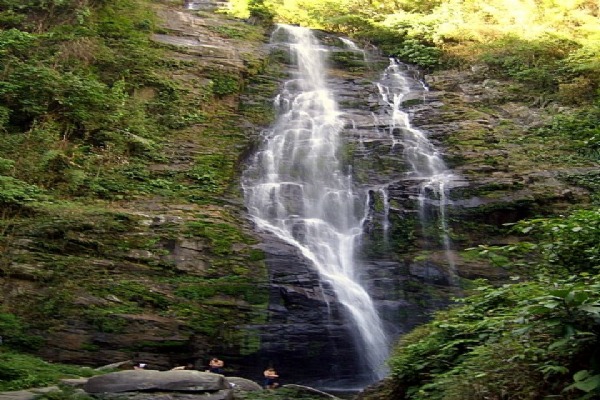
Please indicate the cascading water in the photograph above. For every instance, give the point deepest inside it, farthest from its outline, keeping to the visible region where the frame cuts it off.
(426, 165)
(296, 188)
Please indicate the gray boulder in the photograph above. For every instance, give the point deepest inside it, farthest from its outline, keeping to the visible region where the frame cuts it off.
(156, 381)
(242, 384)
(78, 383)
(219, 395)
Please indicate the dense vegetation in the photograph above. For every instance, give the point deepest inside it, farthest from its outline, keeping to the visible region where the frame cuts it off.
(78, 131)
(535, 338)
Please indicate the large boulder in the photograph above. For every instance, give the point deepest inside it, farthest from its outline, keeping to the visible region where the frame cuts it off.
(220, 395)
(155, 381)
(242, 384)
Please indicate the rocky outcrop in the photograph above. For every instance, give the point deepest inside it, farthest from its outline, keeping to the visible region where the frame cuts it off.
(148, 380)
(164, 385)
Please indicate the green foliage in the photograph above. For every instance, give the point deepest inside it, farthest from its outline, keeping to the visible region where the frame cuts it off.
(534, 62)
(66, 120)
(237, 287)
(589, 180)
(211, 172)
(555, 246)
(15, 43)
(6, 165)
(231, 32)
(18, 194)
(15, 334)
(350, 24)
(350, 61)
(533, 339)
(415, 52)
(581, 130)
(19, 371)
(224, 84)
(521, 338)
(586, 381)
(221, 236)
(261, 12)
(137, 294)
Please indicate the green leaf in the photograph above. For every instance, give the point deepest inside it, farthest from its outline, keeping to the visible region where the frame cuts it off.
(559, 343)
(585, 382)
(591, 308)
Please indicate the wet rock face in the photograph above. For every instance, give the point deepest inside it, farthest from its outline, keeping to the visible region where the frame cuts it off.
(306, 328)
(306, 324)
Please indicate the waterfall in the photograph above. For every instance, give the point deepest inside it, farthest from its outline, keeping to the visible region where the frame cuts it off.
(426, 164)
(297, 188)
(386, 212)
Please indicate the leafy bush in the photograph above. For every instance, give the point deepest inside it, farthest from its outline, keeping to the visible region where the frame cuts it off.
(585, 61)
(18, 194)
(399, 40)
(19, 371)
(349, 24)
(534, 62)
(6, 165)
(581, 130)
(528, 339)
(558, 247)
(15, 333)
(224, 84)
(261, 12)
(531, 339)
(420, 54)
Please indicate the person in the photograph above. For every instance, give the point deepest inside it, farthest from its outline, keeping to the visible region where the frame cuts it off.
(270, 378)
(216, 366)
(188, 366)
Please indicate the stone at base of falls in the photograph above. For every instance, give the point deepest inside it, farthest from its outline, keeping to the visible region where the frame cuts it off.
(381, 390)
(156, 381)
(243, 385)
(219, 395)
(306, 390)
(167, 385)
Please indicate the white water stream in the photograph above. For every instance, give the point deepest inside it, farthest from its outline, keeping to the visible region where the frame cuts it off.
(427, 166)
(297, 188)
